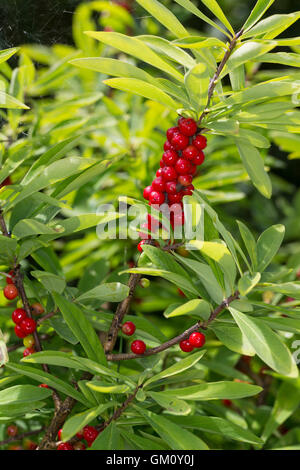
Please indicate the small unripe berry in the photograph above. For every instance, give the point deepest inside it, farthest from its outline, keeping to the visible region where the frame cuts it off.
(12, 430)
(187, 126)
(197, 339)
(144, 282)
(18, 315)
(183, 167)
(138, 347)
(128, 328)
(199, 159)
(169, 173)
(20, 333)
(170, 157)
(200, 142)
(28, 325)
(28, 341)
(139, 247)
(185, 180)
(37, 308)
(180, 141)
(156, 197)
(171, 187)
(186, 346)
(28, 352)
(158, 184)
(171, 132)
(147, 192)
(65, 446)
(10, 291)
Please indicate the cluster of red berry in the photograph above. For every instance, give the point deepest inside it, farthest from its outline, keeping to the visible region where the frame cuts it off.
(12, 431)
(25, 325)
(88, 433)
(182, 154)
(138, 346)
(196, 340)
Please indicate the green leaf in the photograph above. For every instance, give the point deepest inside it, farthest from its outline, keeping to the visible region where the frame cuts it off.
(81, 328)
(51, 282)
(28, 227)
(217, 11)
(8, 248)
(247, 51)
(233, 338)
(268, 244)
(254, 166)
(171, 433)
(267, 344)
(171, 405)
(284, 58)
(248, 282)
(249, 242)
(170, 49)
(215, 391)
(287, 288)
(9, 102)
(197, 83)
(56, 358)
(49, 379)
(198, 307)
(77, 422)
(177, 368)
(5, 54)
(107, 439)
(110, 292)
(273, 25)
(23, 394)
(136, 48)
(102, 387)
(164, 16)
(258, 11)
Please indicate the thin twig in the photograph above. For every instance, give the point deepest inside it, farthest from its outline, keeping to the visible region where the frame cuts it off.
(20, 437)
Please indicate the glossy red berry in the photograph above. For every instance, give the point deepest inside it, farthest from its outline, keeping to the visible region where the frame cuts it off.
(179, 141)
(90, 433)
(10, 278)
(186, 346)
(174, 198)
(193, 169)
(65, 446)
(171, 187)
(185, 180)
(43, 386)
(28, 325)
(139, 247)
(80, 434)
(156, 197)
(199, 159)
(168, 145)
(20, 333)
(147, 192)
(171, 132)
(170, 157)
(28, 352)
(144, 234)
(187, 126)
(159, 172)
(183, 167)
(10, 291)
(197, 339)
(190, 152)
(18, 315)
(162, 163)
(158, 184)
(169, 173)
(128, 328)
(188, 190)
(138, 347)
(12, 430)
(200, 142)
(59, 435)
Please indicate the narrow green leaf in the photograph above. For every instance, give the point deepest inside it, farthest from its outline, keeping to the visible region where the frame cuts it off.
(164, 16)
(268, 244)
(248, 282)
(258, 11)
(197, 83)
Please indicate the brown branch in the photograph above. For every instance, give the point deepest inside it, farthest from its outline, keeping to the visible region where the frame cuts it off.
(215, 78)
(3, 225)
(176, 339)
(20, 437)
(121, 311)
(45, 317)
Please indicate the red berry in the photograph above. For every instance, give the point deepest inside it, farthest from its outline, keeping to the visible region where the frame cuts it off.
(190, 152)
(193, 169)
(156, 197)
(44, 386)
(170, 157)
(188, 190)
(90, 433)
(18, 315)
(147, 192)
(199, 159)
(227, 403)
(145, 235)
(59, 435)
(200, 142)
(159, 172)
(6, 182)
(174, 198)
(28, 352)
(128, 328)
(152, 222)
(187, 126)
(139, 247)
(80, 434)
(138, 347)
(171, 187)
(65, 446)
(168, 145)
(182, 294)
(158, 184)
(20, 333)
(197, 339)
(185, 180)
(177, 219)
(12, 430)
(10, 291)
(171, 132)
(162, 163)
(10, 278)
(28, 325)
(180, 141)
(183, 167)
(169, 173)
(186, 346)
